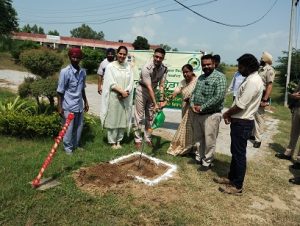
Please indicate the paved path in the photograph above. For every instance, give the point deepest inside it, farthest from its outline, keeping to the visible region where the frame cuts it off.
(12, 79)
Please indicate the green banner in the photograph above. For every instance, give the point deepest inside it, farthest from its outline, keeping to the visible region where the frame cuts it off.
(174, 61)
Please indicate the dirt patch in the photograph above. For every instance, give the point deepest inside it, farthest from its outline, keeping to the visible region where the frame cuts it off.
(6, 82)
(9, 85)
(104, 176)
(143, 167)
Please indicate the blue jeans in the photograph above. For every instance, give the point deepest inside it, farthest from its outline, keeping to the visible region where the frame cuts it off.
(240, 132)
(73, 133)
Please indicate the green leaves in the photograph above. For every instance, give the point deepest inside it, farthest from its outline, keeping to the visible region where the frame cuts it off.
(15, 106)
(141, 43)
(8, 18)
(42, 62)
(292, 86)
(85, 31)
(26, 125)
(92, 59)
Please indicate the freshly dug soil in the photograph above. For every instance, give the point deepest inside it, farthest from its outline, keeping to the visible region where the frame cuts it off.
(142, 167)
(107, 175)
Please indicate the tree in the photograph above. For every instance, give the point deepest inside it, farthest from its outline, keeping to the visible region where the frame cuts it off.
(8, 18)
(92, 59)
(141, 43)
(41, 30)
(222, 67)
(34, 29)
(43, 63)
(165, 47)
(26, 28)
(19, 46)
(86, 31)
(295, 67)
(168, 48)
(55, 32)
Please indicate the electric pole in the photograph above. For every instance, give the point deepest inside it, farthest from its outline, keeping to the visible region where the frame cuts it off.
(292, 25)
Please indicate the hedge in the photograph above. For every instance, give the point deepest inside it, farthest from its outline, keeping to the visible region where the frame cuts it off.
(26, 125)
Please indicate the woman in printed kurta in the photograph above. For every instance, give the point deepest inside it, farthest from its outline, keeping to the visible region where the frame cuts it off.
(115, 112)
(182, 141)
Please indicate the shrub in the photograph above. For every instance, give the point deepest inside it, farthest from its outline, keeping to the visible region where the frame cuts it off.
(42, 62)
(23, 118)
(22, 124)
(15, 106)
(5, 44)
(92, 59)
(24, 89)
(44, 87)
(38, 88)
(222, 68)
(18, 46)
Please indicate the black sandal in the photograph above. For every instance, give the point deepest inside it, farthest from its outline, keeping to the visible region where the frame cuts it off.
(295, 180)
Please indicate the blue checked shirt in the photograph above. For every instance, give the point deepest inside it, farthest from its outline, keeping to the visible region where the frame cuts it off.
(210, 92)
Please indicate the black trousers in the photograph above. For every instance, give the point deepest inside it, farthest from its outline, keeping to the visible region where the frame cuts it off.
(240, 132)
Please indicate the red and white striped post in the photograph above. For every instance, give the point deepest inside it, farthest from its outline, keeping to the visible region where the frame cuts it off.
(36, 181)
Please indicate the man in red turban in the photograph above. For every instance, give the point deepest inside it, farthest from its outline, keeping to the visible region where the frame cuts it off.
(72, 98)
(75, 53)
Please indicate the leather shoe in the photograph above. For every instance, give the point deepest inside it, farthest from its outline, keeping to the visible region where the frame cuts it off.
(256, 144)
(295, 180)
(283, 156)
(252, 138)
(221, 180)
(204, 168)
(296, 166)
(231, 190)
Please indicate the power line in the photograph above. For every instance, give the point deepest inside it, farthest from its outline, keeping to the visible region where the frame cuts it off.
(225, 24)
(126, 17)
(107, 12)
(97, 8)
(151, 14)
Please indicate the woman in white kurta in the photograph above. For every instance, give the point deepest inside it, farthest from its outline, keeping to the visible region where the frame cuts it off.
(115, 112)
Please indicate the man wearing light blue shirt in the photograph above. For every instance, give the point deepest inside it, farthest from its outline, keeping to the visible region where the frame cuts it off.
(72, 99)
(236, 81)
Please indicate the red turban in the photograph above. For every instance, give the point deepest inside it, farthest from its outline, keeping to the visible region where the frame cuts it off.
(75, 52)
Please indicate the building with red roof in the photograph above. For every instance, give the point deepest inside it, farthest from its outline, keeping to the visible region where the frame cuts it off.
(62, 42)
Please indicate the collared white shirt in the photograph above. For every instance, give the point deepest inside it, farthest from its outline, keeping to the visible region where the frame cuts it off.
(249, 96)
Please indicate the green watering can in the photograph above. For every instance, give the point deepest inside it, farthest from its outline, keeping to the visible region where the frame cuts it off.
(158, 120)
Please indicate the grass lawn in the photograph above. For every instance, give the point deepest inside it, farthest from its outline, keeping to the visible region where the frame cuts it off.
(189, 198)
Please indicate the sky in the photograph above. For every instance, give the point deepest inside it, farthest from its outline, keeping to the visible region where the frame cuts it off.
(168, 22)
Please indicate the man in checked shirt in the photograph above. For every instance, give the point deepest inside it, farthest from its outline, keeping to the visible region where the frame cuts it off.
(207, 102)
